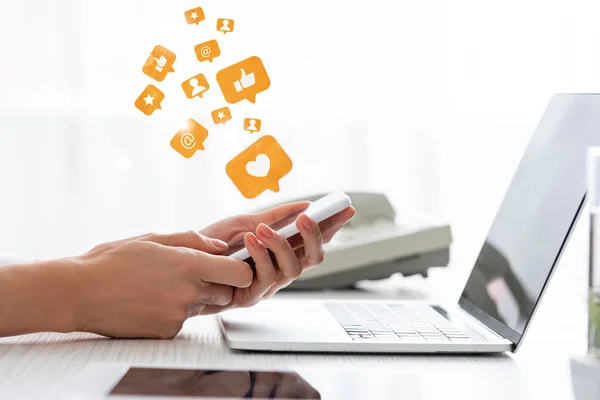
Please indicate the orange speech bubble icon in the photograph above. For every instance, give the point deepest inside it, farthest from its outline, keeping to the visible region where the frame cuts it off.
(259, 167)
(225, 25)
(221, 116)
(207, 51)
(194, 16)
(243, 80)
(189, 139)
(196, 86)
(252, 125)
(159, 63)
(150, 100)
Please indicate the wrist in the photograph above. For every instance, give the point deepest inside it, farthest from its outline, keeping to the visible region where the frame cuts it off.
(38, 297)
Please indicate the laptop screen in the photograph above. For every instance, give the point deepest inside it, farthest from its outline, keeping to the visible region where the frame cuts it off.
(535, 219)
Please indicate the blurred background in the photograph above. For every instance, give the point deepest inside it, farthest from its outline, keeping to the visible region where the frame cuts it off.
(429, 102)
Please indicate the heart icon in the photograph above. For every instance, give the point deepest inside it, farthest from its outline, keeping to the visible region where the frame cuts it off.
(259, 168)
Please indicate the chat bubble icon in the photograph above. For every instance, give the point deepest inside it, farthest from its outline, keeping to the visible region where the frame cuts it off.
(194, 16)
(252, 125)
(221, 116)
(189, 139)
(225, 25)
(159, 63)
(244, 80)
(207, 51)
(150, 100)
(260, 167)
(196, 86)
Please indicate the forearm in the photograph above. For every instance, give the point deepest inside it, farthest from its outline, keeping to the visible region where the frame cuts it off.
(38, 297)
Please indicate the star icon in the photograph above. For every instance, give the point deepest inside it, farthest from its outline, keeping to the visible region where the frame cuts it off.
(194, 15)
(149, 100)
(221, 115)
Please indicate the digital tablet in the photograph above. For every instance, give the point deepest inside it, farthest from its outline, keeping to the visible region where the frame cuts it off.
(119, 381)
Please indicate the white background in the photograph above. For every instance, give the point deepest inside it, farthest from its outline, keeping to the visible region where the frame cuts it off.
(430, 102)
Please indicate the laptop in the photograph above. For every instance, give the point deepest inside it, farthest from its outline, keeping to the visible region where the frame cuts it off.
(507, 282)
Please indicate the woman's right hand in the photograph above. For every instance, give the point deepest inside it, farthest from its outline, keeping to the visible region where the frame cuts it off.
(146, 287)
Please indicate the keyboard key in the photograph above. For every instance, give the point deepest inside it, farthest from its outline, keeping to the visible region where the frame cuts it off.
(362, 313)
(457, 334)
(404, 331)
(403, 313)
(357, 331)
(408, 335)
(427, 330)
(342, 315)
(377, 327)
(368, 322)
(384, 314)
(421, 327)
(400, 324)
(437, 339)
(388, 338)
(447, 332)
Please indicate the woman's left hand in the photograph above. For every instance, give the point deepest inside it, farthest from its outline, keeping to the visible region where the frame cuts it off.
(289, 259)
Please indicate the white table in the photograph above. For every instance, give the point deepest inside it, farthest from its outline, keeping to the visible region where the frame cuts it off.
(34, 366)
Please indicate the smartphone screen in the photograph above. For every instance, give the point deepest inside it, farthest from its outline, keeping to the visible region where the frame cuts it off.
(234, 384)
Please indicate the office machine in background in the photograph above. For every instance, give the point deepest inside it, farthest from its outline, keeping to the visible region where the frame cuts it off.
(376, 244)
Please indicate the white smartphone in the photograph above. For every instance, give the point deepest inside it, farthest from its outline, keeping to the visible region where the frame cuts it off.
(318, 211)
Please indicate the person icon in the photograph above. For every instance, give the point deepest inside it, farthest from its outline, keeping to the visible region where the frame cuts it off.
(196, 87)
(225, 25)
(252, 125)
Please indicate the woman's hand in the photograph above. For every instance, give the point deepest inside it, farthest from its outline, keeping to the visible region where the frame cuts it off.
(288, 259)
(149, 285)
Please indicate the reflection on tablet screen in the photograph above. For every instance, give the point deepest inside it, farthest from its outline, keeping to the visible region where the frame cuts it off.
(214, 384)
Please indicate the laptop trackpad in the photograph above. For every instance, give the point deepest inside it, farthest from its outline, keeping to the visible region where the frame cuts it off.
(283, 321)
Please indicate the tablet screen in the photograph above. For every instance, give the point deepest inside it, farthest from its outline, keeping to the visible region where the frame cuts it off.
(214, 384)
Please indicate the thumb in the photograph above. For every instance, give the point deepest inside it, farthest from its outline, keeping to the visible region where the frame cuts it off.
(191, 240)
(243, 73)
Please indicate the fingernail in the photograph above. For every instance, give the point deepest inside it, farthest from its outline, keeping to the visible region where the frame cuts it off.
(253, 240)
(219, 244)
(308, 223)
(266, 232)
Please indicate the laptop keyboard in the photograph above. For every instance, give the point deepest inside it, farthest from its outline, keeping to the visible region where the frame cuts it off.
(395, 323)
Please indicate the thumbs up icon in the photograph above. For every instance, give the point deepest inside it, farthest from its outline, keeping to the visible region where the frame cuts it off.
(245, 81)
(160, 63)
